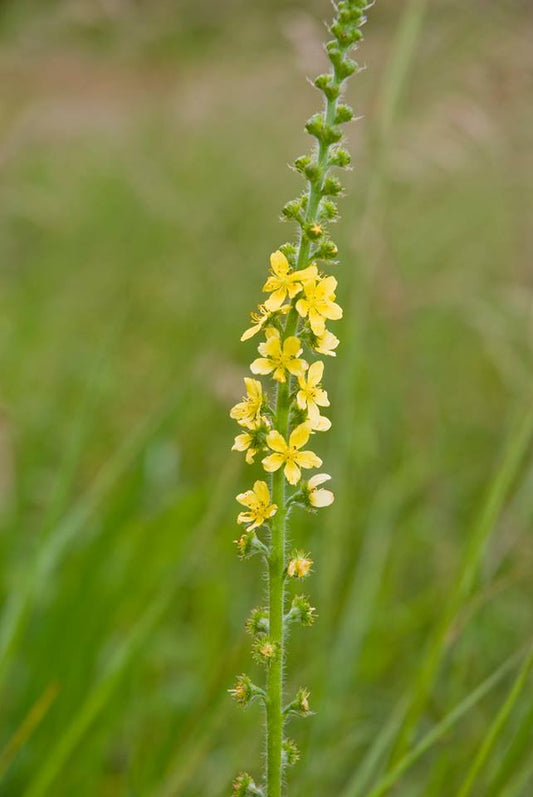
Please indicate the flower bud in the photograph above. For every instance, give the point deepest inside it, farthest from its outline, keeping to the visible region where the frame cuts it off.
(293, 210)
(340, 158)
(301, 163)
(314, 231)
(257, 623)
(327, 250)
(326, 83)
(331, 187)
(328, 210)
(343, 114)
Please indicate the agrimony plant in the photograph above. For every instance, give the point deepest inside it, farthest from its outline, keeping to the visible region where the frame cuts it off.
(278, 423)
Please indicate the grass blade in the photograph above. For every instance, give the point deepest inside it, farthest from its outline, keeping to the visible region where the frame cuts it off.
(496, 727)
(436, 733)
(497, 495)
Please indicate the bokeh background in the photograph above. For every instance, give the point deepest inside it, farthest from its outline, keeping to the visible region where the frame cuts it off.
(143, 151)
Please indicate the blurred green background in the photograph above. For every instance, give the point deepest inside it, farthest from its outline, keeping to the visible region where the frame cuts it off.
(143, 148)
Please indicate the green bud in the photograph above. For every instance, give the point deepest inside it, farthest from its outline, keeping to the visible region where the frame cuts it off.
(328, 210)
(344, 114)
(301, 163)
(345, 68)
(293, 210)
(290, 753)
(340, 158)
(314, 231)
(289, 250)
(327, 250)
(312, 172)
(327, 84)
(257, 623)
(331, 187)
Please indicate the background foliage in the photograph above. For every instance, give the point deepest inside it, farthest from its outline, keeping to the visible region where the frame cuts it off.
(143, 149)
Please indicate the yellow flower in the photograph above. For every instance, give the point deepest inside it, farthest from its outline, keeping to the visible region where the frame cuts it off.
(319, 303)
(326, 343)
(279, 357)
(259, 319)
(289, 454)
(318, 498)
(311, 395)
(319, 424)
(283, 282)
(247, 411)
(258, 503)
(251, 441)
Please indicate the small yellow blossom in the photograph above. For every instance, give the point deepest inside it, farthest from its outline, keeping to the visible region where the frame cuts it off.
(326, 343)
(279, 356)
(258, 503)
(318, 303)
(289, 454)
(318, 498)
(251, 441)
(311, 396)
(259, 319)
(283, 282)
(248, 410)
(299, 565)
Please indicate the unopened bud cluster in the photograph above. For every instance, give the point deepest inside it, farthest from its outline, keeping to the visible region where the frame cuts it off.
(280, 418)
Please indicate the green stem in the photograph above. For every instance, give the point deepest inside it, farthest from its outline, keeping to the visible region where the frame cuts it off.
(276, 564)
(276, 568)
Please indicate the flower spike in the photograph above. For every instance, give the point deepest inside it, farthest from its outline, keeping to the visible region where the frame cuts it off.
(282, 408)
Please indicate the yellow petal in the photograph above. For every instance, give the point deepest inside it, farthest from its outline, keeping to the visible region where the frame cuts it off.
(249, 333)
(262, 366)
(300, 435)
(273, 462)
(297, 367)
(327, 286)
(317, 479)
(302, 306)
(292, 472)
(320, 424)
(320, 498)
(262, 492)
(308, 459)
(315, 373)
(276, 442)
(333, 311)
(247, 499)
(242, 441)
(250, 456)
(306, 274)
(279, 263)
(292, 347)
(275, 301)
(245, 517)
(301, 399)
(318, 324)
